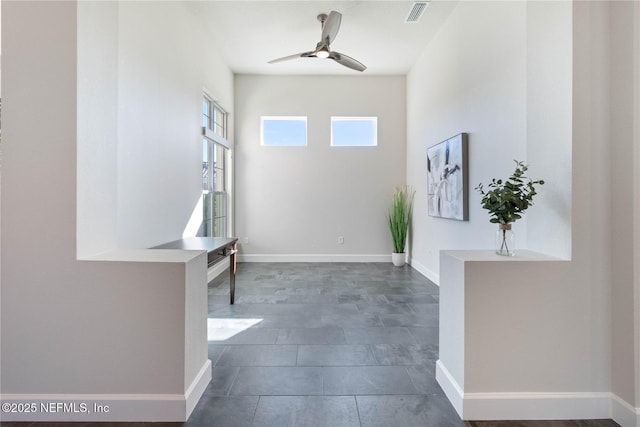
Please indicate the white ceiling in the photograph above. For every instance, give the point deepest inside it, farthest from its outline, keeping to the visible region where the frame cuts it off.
(250, 33)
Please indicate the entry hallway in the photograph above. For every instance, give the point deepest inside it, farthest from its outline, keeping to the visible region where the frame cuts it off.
(328, 344)
(325, 345)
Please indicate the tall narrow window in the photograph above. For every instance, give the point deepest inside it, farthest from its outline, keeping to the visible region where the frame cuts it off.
(214, 169)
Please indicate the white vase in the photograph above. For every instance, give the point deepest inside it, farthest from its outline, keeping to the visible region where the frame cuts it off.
(398, 258)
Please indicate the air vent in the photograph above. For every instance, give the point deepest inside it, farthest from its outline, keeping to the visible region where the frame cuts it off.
(416, 12)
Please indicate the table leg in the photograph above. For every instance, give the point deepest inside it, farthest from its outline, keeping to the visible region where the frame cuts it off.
(232, 276)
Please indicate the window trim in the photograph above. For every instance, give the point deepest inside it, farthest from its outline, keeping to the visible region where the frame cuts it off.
(208, 131)
(212, 139)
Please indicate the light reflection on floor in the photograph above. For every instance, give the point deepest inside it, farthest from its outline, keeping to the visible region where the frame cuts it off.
(223, 329)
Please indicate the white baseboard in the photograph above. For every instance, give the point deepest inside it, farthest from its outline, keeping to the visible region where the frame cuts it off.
(105, 407)
(217, 269)
(450, 386)
(197, 387)
(314, 258)
(534, 406)
(623, 413)
(428, 273)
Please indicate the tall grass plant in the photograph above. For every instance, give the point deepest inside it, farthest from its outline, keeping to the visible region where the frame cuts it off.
(400, 216)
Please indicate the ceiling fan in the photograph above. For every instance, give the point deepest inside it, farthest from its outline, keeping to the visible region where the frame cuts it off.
(330, 26)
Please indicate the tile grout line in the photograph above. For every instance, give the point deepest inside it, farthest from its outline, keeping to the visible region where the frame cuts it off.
(378, 363)
(233, 382)
(406, 369)
(220, 355)
(255, 411)
(355, 398)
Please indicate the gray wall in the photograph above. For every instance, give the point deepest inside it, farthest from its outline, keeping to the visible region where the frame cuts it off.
(294, 202)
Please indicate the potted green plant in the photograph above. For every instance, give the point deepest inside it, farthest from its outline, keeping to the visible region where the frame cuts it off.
(506, 201)
(399, 219)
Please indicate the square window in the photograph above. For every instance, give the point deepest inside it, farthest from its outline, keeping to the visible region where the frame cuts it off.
(354, 131)
(283, 131)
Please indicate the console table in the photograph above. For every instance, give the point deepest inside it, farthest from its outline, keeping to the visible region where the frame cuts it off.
(218, 248)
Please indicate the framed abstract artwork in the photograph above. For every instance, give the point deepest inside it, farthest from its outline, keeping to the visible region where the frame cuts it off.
(447, 176)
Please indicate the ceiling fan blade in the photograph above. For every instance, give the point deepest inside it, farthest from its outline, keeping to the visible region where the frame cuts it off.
(347, 61)
(287, 58)
(331, 27)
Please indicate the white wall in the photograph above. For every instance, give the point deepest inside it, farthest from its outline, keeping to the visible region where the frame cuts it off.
(622, 185)
(97, 196)
(101, 329)
(470, 78)
(293, 202)
(625, 191)
(519, 349)
(140, 152)
(159, 143)
(591, 251)
(636, 175)
(572, 117)
(549, 131)
(161, 79)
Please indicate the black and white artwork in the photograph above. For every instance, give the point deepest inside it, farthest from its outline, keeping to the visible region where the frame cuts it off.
(447, 193)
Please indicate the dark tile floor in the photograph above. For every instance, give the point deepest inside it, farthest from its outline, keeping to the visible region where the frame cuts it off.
(329, 344)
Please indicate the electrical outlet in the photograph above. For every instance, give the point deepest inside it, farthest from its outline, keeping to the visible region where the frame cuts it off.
(245, 241)
(340, 240)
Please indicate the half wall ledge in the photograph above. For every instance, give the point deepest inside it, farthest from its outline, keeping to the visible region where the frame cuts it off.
(517, 340)
(150, 316)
